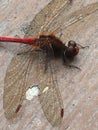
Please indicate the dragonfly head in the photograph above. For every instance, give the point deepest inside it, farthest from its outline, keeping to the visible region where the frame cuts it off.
(72, 49)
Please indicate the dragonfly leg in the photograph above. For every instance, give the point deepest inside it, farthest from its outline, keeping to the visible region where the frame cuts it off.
(29, 51)
(82, 47)
(66, 62)
(72, 66)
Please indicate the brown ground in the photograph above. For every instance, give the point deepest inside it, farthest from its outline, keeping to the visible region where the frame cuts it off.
(79, 89)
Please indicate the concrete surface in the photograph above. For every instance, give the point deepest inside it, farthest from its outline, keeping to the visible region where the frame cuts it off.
(79, 89)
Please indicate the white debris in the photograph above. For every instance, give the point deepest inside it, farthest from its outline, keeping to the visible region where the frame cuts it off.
(31, 92)
(45, 89)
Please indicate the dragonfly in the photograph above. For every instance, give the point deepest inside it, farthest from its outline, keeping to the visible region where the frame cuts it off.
(43, 49)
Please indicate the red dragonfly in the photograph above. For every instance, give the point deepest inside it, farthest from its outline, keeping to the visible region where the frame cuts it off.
(45, 49)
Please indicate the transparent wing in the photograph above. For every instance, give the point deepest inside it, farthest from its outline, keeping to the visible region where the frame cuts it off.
(50, 97)
(56, 17)
(16, 81)
(46, 17)
(17, 76)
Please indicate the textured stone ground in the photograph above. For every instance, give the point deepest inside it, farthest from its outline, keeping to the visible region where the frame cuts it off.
(79, 89)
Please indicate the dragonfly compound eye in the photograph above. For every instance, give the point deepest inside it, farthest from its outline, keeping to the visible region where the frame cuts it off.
(72, 43)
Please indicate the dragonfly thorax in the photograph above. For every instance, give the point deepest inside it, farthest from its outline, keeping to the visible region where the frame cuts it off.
(52, 44)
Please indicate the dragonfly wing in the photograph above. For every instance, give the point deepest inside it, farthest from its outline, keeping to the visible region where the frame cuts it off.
(50, 97)
(55, 17)
(46, 17)
(16, 81)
